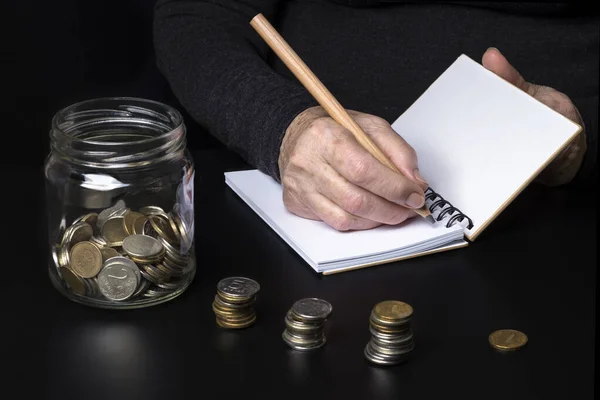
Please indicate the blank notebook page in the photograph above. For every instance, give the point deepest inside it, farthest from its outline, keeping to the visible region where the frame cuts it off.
(319, 244)
(480, 140)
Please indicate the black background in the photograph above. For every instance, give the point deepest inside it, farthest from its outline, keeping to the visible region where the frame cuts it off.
(55, 53)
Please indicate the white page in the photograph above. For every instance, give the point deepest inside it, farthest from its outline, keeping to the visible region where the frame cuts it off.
(320, 244)
(480, 140)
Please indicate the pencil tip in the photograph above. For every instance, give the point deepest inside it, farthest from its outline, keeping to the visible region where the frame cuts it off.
(430, 219)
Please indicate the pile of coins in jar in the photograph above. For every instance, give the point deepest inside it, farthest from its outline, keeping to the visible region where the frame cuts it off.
(120, 254)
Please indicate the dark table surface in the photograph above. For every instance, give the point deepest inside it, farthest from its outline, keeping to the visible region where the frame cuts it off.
(534, 270)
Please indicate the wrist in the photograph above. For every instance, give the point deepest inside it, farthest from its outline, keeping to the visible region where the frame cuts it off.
(298, 125)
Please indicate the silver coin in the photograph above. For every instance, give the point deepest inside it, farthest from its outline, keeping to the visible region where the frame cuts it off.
(118, 279)
(154, 293)
(295, 346)
(237, 306)
(169, 285)
(142, 246)
(238, 287)
(377, 359)
(301, 328)
(312, 309)
(387, 339)
(105, 214)
(125, 260)
(144, 285)
(98, 241)
(392, 352)
(149, 277)
(304, 339)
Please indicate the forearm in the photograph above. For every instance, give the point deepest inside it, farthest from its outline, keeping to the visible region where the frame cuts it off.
(214, 62)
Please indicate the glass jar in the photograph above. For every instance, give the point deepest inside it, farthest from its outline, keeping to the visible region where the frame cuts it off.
(120, 202)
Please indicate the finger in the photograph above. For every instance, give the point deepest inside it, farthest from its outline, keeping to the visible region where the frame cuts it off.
(358, 201)
(359, 167)
(400, 153)
(334, 216)
(294, 204)
(494, 61)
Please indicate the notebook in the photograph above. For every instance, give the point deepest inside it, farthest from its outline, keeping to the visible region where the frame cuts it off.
(480, 141)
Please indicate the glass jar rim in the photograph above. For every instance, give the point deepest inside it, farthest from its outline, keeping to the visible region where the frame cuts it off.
(174, 113)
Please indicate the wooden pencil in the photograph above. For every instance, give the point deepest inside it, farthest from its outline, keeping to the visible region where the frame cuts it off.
(316, 88)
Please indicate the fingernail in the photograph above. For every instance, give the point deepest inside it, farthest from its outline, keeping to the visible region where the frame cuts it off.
(418, 175)
(415, 200)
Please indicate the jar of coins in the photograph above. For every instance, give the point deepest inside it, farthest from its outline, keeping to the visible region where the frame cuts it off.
(120, 203)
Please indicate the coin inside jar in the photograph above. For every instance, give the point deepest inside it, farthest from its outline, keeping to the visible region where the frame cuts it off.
(118, 279)
(75, 283)
(161, 225)
(128, 221)
(142, 246)
(138, 225)
(86, 259)
(113, 231)
(108, 252)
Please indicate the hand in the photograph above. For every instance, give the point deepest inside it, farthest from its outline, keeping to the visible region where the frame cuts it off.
(327, 175)
(566, 165)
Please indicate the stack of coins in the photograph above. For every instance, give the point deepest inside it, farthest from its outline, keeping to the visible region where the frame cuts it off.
(119, 254)
(234, 303)
(391, 336)
(305, 323)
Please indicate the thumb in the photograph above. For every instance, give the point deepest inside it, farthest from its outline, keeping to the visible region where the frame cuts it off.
(494, 61)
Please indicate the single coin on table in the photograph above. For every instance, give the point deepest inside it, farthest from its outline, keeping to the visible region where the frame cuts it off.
(86, 259)
(507, 339)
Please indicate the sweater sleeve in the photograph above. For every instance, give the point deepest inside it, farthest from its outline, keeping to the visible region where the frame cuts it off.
(215, 64)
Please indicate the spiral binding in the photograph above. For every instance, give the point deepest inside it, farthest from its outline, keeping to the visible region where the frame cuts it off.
(455, 214)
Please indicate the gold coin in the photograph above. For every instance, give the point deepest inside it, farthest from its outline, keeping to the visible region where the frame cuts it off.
(225, 324)
(91, 218)
(151, 210)
(114, 232)
(161, 225)
(507, 339)
(388, 329)
(129, 219)
(86, 259)
(108, 252)
(76, 284)
(138, 225)
(76, 233)
(174, 226)
(184, 237)
(392, 310)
